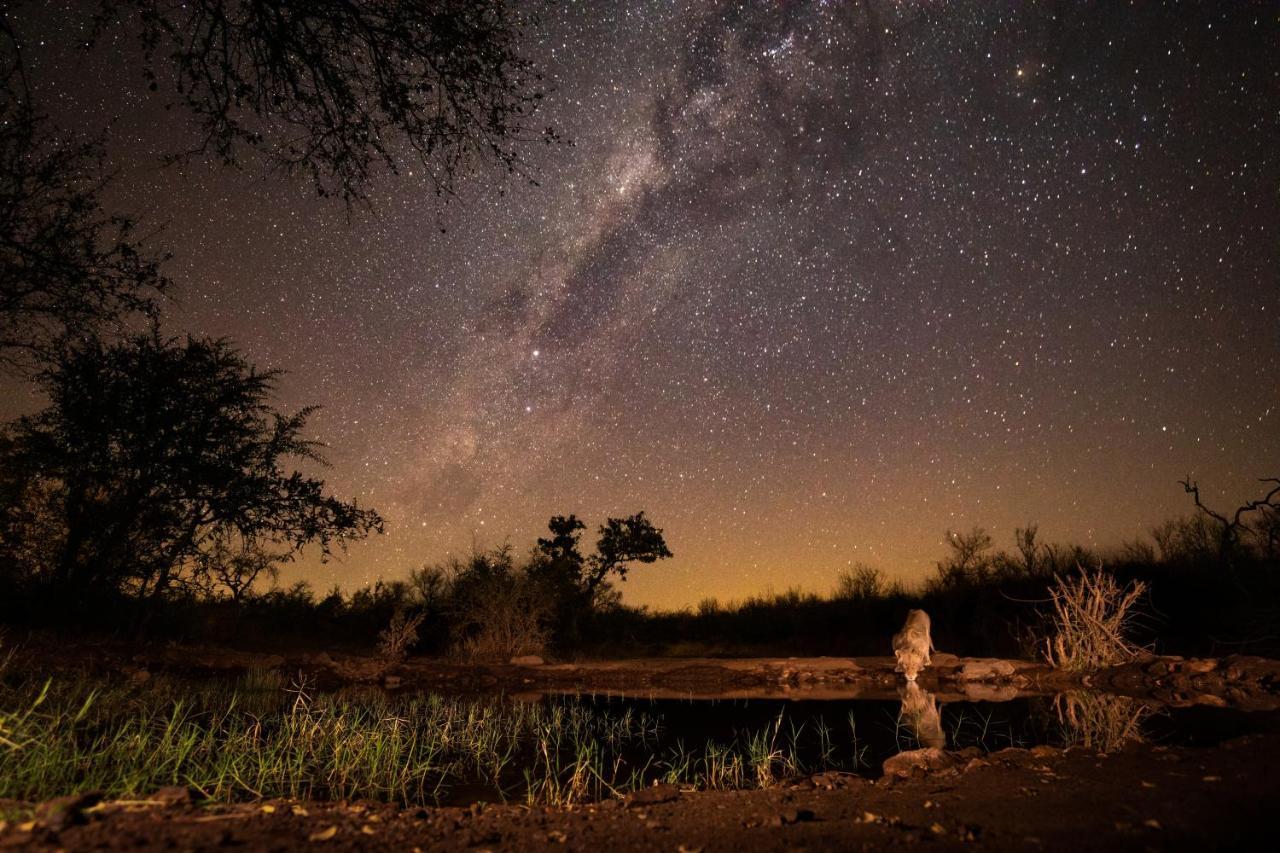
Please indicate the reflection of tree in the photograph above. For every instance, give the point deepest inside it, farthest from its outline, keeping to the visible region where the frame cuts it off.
(922, 713)
(1101, 721)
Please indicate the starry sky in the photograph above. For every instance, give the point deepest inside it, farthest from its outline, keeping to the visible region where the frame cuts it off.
(815, 282)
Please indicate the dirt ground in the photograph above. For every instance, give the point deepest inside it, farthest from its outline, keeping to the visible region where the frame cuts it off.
(1145, 797)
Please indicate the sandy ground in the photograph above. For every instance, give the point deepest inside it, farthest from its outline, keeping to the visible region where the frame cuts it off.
(1144, 797)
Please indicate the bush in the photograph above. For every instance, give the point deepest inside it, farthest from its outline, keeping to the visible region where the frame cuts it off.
(499, 611)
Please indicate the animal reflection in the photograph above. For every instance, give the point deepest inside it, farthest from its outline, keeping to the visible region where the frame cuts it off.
(922, 714)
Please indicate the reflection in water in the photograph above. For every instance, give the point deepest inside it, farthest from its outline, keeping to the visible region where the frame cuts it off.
(1100, 720)
(921, 711)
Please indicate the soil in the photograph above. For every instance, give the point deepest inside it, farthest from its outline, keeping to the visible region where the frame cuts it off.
(1144, 797)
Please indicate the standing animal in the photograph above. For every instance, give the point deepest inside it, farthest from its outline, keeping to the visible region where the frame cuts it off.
(912, 645)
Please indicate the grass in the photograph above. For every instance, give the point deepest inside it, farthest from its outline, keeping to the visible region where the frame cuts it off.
(259, 737)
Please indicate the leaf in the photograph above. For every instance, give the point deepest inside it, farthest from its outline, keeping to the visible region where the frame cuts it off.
(324, 834)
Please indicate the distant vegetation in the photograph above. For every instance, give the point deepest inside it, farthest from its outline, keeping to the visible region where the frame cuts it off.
(1180, 591)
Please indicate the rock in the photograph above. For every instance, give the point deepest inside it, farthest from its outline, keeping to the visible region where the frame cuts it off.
(986, 669)
(662, 793)
(1200, 666)
(59, 813)
(928, 760)
(391, 682)
(1043, 751)
(527, 660)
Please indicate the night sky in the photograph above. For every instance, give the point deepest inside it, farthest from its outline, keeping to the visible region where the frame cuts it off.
(815, 282)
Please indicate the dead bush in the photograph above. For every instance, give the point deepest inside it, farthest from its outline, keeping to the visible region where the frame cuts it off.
(395, 640)
(1092, 615)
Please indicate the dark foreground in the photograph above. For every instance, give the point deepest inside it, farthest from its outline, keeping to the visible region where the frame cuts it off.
(1144, 797)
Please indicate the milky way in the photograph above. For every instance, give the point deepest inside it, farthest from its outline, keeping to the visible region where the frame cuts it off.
(814, 283)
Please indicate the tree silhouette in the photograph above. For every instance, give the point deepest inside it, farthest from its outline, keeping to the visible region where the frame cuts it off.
(1230, 530)
(66, 267)
(623, 541)
(578, 584)
(337, 89)
(154, 455)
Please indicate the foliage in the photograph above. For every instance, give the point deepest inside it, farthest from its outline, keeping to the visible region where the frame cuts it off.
(158, 466)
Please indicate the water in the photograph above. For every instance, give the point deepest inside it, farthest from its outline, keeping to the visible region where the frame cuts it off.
(857, 735)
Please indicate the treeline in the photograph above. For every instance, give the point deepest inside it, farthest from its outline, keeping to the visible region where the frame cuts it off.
(489, 606)
(988, 601)
(558, 601)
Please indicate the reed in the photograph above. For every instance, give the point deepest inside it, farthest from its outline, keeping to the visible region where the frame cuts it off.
(260, 737)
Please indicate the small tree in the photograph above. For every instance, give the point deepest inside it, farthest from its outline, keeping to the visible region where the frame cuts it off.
(156, 453)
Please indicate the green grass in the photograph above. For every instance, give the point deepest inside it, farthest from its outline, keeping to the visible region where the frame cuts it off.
(259, 737)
